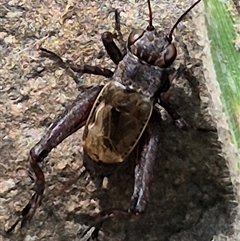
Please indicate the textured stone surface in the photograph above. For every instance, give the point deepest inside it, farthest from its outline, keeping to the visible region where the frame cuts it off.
(192, 194)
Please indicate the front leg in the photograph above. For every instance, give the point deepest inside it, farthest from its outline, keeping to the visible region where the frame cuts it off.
(72, 120)
(111, 48)
(108, 42)
(145, 166)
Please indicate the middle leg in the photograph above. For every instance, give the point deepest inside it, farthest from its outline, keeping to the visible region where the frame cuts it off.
(81, 69)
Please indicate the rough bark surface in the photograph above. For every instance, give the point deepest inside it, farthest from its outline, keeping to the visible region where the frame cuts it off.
(195, 187)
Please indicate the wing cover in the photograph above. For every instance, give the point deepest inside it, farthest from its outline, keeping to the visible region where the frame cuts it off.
(116, 123)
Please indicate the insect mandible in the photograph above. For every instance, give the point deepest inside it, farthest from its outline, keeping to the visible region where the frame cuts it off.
(117, 116)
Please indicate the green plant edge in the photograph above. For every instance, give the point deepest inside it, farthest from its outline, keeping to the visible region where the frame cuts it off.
(226, 59)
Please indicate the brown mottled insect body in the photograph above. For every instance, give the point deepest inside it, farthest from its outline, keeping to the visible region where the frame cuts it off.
(116, 123)
(144, 78)
(118, 115)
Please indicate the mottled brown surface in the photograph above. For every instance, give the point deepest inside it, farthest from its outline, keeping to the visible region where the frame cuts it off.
(191, 194)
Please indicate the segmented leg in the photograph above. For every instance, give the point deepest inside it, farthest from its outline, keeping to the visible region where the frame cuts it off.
(178, 120)
(117, 26)
(108, 39)
(145, 165)
(165, 97)
(101, 217)
(111, 48)
(72, 120)
(82, 69)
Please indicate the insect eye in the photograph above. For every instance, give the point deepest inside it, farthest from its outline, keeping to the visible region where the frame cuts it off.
(170, 54)
(134, 36)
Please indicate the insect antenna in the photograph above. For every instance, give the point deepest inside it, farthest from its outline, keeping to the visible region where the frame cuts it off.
(180, 19)
(150, 26)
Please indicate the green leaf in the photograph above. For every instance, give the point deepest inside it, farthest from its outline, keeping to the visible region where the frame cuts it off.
(223, 22)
